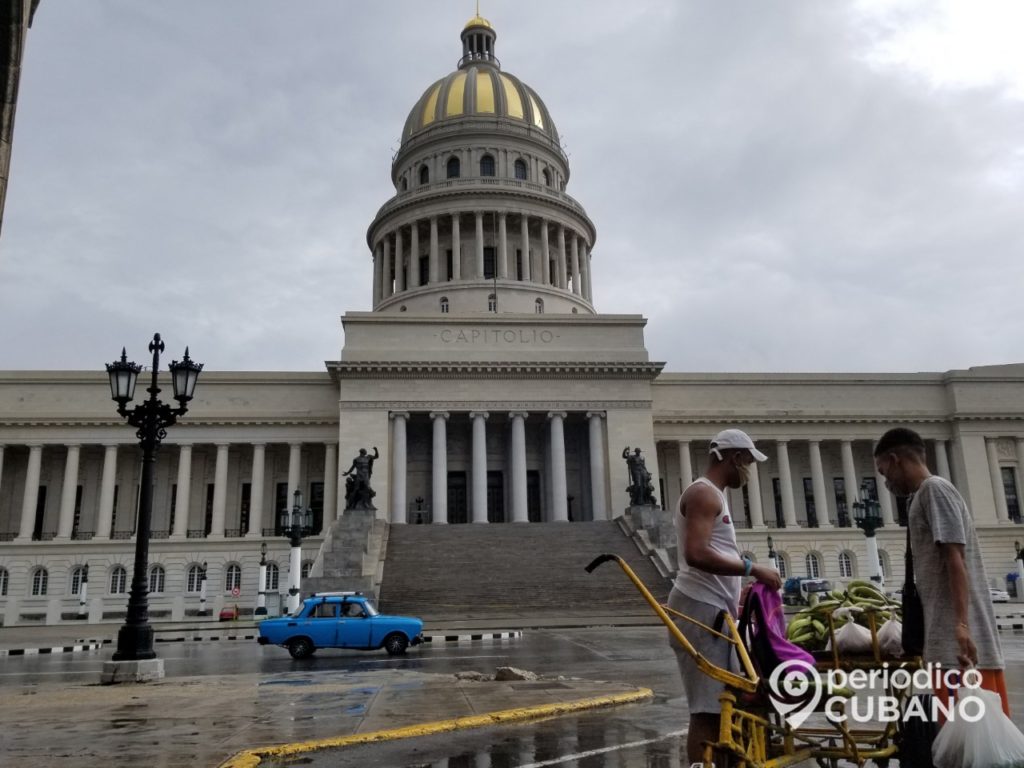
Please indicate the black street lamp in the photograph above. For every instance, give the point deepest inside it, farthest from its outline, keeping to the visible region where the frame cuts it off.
(868, 517)
(295, 523)
(151, 419)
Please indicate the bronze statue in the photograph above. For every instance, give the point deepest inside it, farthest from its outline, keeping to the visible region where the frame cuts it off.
(640, 490)
(358, 493)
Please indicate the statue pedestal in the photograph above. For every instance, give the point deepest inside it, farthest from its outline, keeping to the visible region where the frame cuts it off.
(644, 515)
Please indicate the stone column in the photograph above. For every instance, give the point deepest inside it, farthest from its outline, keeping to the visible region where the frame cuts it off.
(378, 273)
(685, 464)
(294, 471)
(818, 485)
(576, 279)
(850, 484)
(256, 483)
(399, 262)
(435, 266)
(398, 467)
(105, 512)
(991, 450)
(519, 511)
(456, 248)
(220, 491)
(585, 271)
(414, 256)
(30, 497)
(545, 253)
(884, 501)
(331, 510)
(561, 278)
(524, 238)
(754, 496)
(479, 245)
(1020, 475)
(598, 499)
(786, 485)
(560, 509)
(1, 466)
(68, 492)
(387, 270)
(502, 265)
(479, 470)
(439, 497)
(942, 460)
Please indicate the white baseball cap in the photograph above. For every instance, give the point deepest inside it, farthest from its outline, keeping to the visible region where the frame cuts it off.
(735, 439)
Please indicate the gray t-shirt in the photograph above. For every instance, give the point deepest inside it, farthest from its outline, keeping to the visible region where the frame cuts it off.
(938, 515)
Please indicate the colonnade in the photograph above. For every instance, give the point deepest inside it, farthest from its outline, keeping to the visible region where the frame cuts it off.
(71, 502)
(563, 263)
(516, 463)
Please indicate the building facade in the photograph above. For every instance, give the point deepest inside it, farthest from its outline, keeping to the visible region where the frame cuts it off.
(493, 391)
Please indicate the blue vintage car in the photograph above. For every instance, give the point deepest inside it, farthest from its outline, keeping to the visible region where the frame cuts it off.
(340, 620)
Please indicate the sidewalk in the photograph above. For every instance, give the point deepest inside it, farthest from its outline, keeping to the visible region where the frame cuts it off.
(207, 721)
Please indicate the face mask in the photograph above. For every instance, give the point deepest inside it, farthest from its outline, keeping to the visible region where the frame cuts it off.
(744, 470)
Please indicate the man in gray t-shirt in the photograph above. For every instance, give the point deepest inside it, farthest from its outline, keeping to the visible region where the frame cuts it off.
(960, 625)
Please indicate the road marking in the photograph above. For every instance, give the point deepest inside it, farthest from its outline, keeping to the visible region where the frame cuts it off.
(433, 657)
(604, 750)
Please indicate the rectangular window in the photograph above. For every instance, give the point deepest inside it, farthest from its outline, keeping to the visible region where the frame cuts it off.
(280, 505)
(316, 503)
(746, 505)
(174, 507)
(458, 500)
(495, 496)
(533, 512)
(490, 259)
(78, 512)
(780, 517)
(113, 513)
(812, 512)
(451, 265)
(424, 270)
(208, 520)
(1010, 489)
(37, 527)
(519, 263)
(243, 508)
(842, 513)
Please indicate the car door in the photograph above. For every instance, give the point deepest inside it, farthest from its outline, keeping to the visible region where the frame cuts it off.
(354, 626)
(321, 625)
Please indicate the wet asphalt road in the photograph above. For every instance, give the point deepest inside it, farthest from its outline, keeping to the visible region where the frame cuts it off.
(649, 735)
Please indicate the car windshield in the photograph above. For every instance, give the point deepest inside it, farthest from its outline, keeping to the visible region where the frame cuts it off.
(371, 609)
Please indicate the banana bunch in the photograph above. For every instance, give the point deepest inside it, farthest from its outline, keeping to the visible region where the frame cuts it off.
(809, 627)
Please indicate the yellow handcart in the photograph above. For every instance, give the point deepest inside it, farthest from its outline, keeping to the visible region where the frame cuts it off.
(752, 734)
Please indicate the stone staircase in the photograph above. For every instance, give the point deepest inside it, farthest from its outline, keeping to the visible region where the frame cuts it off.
(491, 572)
(350, 556)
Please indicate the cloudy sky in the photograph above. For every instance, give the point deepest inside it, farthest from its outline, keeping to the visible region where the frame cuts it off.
(777, 186)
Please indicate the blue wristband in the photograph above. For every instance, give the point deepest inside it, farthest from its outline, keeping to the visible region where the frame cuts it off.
(748, 566)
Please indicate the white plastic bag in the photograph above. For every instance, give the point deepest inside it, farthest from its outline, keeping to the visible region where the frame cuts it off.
(992, 741)
(890, 638)
(853, 638)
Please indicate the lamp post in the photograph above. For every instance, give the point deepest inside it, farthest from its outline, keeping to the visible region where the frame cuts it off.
(1020, 570)
(772, 557)
(202, 590)
(151, 419)
(83, 592)
(295, 523)
(867, 515)
(261, 595)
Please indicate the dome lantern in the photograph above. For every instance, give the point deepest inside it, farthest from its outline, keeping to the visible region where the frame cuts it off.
(478, 38)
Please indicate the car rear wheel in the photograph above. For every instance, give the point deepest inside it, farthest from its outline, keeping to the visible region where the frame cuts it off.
(395, 644)
(301, 647)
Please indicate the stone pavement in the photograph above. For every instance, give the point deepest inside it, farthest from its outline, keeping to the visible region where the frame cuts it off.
(207, 721)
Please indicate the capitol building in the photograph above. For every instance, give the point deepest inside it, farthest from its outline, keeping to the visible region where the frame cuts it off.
(495, 392)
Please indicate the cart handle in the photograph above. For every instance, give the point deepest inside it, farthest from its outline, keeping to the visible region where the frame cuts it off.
(599, 560)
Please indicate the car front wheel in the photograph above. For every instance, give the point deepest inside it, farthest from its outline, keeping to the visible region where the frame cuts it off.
(395, 644)
(301, 647)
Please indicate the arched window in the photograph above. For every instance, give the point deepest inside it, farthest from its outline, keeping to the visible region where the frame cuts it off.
(40, 580)
(424, 175)
(118, 580)
(845, 565)
(883, 560)
(273, 576)
(195, 578)
(487, 165)
(538, 306)
(454, 168)
(77, 574)
(444, 305)
(547, 177)
(780, 561)
(3, 582)
(307, 566)
(233, 577)
(520, 168)
(812, 566)
(492, 303)
(157, 578)
(405, 184)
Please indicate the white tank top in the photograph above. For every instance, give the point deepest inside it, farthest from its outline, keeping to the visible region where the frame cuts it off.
(721, 591)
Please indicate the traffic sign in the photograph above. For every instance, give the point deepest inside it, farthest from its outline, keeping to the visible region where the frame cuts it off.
(235, 591)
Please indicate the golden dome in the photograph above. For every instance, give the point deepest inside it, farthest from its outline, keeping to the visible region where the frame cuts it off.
(477, 21)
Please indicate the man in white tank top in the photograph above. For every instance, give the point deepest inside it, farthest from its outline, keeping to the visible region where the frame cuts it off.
(711, 570)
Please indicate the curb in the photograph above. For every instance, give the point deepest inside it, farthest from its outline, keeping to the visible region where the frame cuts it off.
(250, 758)
(92, 645)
